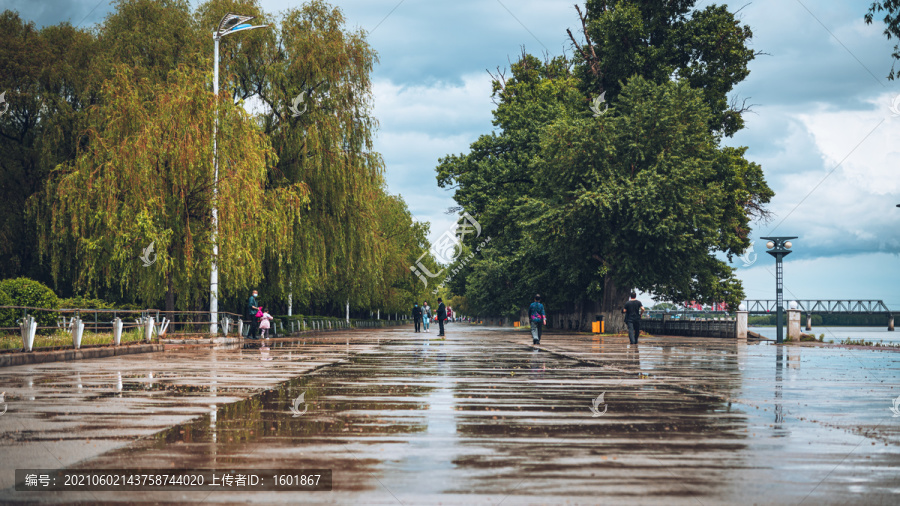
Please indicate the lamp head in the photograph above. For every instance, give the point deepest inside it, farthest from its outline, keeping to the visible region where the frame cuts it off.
(232, 23)
(778, 246)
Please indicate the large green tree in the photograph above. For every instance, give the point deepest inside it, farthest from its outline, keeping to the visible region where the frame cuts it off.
(588, 198)
(309, 217)
(146, 178)
(47, 83)
(890, 9)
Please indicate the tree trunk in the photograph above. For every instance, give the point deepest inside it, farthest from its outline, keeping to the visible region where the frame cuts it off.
(583, 325)
(614, 299)
(170, 295)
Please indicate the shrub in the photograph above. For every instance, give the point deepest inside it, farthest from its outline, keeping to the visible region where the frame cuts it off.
(31, 293)
(83, 303)
(7, 316)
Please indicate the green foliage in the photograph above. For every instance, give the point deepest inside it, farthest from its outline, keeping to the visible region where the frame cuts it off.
(584, 205)
(31, 293)
(659, 39)
(856, 342)
(47, 80)
(107, 148)
(649, 180)
(891, 10)
(7, 316)
(85, 303)
(146, 178)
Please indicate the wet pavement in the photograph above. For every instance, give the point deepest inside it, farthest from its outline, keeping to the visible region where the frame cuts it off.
(479, 418)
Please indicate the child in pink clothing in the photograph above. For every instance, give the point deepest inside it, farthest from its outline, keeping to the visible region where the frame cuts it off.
(264, 323)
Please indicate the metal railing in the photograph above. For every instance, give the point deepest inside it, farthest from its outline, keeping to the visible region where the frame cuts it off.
(54, 328)
(41, 328)
(726, 328)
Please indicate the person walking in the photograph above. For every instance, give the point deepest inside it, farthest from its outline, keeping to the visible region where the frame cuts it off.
(538, 318)
(417, 316)
(253, 315)
(264, 324)
(426, 316)
(441, 316)
(633, 310)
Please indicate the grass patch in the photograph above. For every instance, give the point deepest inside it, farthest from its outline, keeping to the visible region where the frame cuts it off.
(856, 342)
(61, 338)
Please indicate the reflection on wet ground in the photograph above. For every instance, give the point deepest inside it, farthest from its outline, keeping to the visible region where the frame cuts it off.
(61, 413)
(484, 418)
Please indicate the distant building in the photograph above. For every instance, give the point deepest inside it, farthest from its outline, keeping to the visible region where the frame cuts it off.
(696, 306)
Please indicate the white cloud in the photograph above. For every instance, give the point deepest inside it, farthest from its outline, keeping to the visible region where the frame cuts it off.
(863, 276)
(862, 142)
(418, 125)
(436, 107)
(844, 200)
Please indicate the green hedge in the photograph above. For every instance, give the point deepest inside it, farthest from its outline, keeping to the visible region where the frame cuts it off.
(285, 320)
(84, 303)
(7, 316)
(28, 292)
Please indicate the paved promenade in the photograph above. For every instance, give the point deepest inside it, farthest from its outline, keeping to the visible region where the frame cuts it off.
(480, 418)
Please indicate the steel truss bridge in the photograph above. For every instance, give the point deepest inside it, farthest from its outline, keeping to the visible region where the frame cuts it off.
(822, 306)
(810, 306)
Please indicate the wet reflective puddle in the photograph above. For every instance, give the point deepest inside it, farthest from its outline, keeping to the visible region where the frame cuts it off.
(427, 420)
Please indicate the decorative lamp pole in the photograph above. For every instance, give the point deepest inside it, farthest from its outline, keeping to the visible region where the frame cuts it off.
(229, 24)
(779, 247)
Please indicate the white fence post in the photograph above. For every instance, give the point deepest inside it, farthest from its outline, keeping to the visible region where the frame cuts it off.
(28, 329)
(163, 326)
(117, 331)
(77, 332)
(148, 329)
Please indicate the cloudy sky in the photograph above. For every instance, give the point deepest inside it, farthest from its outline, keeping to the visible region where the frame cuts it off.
(824, 118)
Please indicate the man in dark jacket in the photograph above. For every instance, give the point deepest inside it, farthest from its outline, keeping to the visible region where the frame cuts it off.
(633, 310)
(417, 316)
(441, 315)
(252, 320)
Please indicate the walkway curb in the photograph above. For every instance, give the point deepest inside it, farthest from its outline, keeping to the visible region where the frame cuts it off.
(40, 357)
(235, 340)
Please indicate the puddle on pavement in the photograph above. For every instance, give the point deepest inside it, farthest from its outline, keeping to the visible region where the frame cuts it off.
(429, 417)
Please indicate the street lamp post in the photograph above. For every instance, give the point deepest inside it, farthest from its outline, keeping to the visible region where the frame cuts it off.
(779, 247)
(229, 24)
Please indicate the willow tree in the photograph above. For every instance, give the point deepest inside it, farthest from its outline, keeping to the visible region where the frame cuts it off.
(400, 242)
(318, 90)
(47, 83)
(145, 178)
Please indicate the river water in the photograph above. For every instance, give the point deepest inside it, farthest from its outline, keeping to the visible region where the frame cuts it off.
(838, 334)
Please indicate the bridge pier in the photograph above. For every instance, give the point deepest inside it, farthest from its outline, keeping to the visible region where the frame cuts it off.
(891, 324)
(808, 321)
(793, 325)
(741, 325)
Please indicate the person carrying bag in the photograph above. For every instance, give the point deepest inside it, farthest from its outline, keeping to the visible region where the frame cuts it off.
(538, 319)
